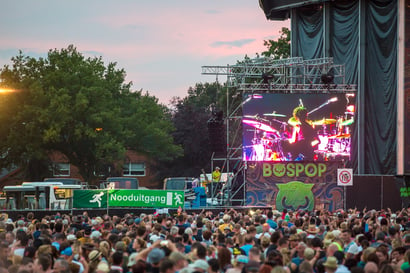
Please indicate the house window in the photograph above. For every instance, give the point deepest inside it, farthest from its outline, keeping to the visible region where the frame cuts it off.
(134, 169)
(61, 169)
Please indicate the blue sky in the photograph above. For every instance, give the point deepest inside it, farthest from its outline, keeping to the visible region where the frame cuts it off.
(160, 44)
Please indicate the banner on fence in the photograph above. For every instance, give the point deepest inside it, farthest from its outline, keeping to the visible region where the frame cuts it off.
(146, 198)
(128, 198)
(90, 199)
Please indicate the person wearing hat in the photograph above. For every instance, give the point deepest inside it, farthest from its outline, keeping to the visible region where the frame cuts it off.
(309, 254)
(330, 251)
(312, 230)
(94, 258)
(154, 258)
(83, 250)
(102, 268)
(21, 225)
(200, 266)
(330, 264)
(66, 253)
(132, 260)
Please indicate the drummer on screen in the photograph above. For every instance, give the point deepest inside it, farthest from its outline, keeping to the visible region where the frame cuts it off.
(303, 137)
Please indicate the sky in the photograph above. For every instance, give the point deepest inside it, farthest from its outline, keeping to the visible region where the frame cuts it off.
(161, 45)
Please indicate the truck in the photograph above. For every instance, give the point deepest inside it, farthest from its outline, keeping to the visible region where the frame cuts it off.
(186, 184)
(38, 195)
(130, 183)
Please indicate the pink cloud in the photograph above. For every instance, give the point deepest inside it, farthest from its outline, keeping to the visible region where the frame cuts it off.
(169, 40)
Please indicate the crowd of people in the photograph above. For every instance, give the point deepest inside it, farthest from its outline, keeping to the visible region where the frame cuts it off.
(231, 241)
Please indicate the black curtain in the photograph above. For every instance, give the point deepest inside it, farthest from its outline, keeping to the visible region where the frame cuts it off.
(344, 48)
(307, 33)
(378, 49)
(380, 90)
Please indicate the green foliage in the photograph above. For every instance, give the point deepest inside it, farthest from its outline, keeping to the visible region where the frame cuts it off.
(81, 108)
(279, 49)
(190, 117)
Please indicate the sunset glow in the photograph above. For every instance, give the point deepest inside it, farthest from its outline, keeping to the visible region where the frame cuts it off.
(150, 40)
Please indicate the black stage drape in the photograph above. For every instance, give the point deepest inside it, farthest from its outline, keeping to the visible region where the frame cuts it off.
(362, 35)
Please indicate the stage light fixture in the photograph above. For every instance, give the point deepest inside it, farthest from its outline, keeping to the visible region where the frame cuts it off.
(327, 78)
(267, 77)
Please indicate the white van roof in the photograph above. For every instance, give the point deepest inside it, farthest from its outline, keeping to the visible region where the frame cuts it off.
(36, 184)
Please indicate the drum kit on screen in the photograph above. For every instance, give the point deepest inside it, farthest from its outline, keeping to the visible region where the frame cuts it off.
(272, 133)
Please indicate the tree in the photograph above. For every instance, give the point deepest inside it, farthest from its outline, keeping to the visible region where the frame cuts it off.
(81, 108)
(190, 117)
(279, 49)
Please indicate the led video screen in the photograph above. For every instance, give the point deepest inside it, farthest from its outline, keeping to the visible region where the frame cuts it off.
(297, 127)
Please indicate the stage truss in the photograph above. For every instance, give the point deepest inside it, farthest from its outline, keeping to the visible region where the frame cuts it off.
(267, 75)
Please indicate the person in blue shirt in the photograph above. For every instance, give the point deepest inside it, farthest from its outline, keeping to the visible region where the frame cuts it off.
(249, 242)
(270, 220)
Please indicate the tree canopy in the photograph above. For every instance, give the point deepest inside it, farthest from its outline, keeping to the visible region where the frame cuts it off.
(190, 117)
(280, 48)
(80, 107)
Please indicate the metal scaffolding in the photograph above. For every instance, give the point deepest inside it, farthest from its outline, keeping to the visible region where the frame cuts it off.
(267, 75)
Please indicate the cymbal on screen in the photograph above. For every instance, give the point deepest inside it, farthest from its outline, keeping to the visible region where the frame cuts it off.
(259, 125)
(257, 117)
(274, 114)
(343, 136)
(324, 121)
(340, 136)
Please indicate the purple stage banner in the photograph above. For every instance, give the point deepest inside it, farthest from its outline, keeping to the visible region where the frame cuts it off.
(294, 185)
